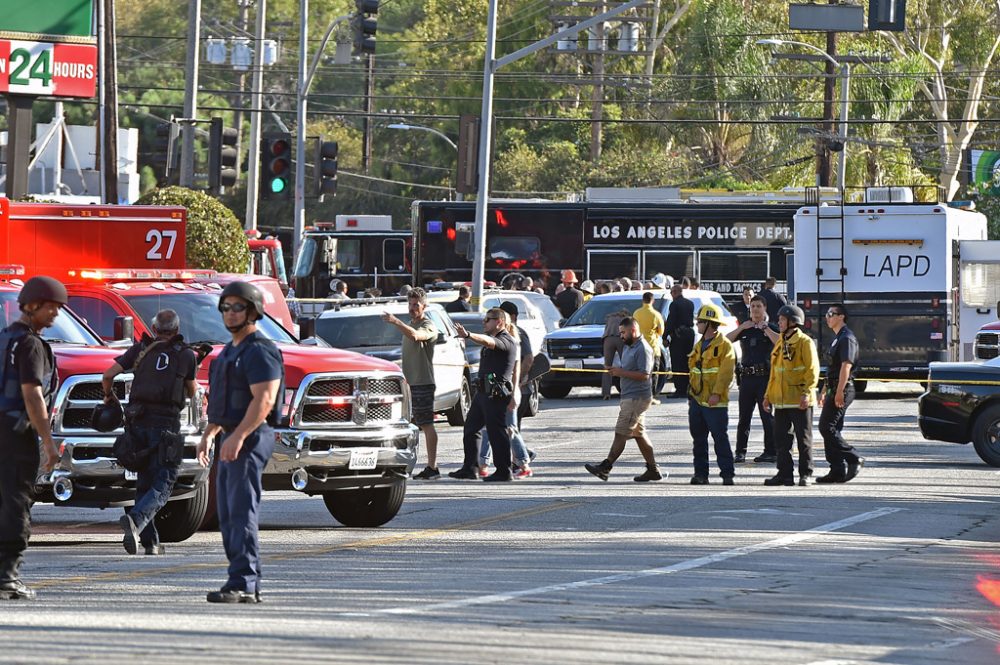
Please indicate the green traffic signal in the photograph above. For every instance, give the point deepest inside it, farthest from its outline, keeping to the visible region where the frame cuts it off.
(278, 185)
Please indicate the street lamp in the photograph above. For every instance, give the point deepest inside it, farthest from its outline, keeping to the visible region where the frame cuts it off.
(404, 126)
(845, 87)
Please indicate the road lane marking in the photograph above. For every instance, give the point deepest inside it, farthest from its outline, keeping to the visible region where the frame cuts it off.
(682, 566)
(316, 551)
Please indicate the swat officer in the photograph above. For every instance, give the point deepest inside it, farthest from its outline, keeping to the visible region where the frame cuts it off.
(245, 382)
(756, 336)
(28, 383)
(163, 376)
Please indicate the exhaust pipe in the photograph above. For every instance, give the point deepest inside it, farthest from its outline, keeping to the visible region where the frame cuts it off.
(62, 489)
(300, 479)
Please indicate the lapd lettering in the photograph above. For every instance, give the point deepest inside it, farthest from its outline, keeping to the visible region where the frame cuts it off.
(899, 265)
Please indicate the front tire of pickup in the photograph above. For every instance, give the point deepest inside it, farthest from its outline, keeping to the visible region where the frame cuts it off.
(555, 391)
(179, 520)
(456, 414)
(986, 435)
(366, 506)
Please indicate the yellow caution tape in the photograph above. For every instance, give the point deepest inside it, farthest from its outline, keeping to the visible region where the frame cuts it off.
(881, 379)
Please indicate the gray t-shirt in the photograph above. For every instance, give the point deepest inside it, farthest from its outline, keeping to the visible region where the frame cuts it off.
(418, 357)
(636, 358)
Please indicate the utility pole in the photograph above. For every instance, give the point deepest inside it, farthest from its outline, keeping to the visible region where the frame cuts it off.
(366, 157)
(597, 99)
(190, 93)
(257, 107)
(824, 166)
(109, 73)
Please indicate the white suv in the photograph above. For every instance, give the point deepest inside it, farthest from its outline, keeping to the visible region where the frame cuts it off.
(361, 328)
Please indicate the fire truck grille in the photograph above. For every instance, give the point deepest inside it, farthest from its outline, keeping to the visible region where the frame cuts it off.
(384, 387)
(580, 348)
(93, 391)
(325, 413)
(332, 388)
(987, 345)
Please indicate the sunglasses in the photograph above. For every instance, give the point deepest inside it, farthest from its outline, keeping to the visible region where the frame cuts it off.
(490, 318)
(832, 313)
(237, 307)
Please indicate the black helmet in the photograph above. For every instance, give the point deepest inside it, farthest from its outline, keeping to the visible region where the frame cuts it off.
(247, 292)
(510, 308)
(793, 313)
(107, 417)
(42, 288)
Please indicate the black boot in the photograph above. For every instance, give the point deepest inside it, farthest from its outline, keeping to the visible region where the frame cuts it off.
(600, 470)
(652, 472)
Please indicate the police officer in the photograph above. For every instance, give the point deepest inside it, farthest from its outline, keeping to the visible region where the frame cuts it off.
(28, 382)
(679, 328)
(791, 391)
(710, 369)
(246, 381)
(838, 395)
(756, 336)
(164, 372)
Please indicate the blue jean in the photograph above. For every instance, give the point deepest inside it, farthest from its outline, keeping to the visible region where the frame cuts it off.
(238, 492)
(517, 446)
(155, 483)
(702, 421)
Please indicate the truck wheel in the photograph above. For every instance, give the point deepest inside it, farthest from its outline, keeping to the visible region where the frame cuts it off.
(554, 391)
(456, 414)
(179, 520)
(986, 435)
(860, 387)
(529, 407)
(366, 506)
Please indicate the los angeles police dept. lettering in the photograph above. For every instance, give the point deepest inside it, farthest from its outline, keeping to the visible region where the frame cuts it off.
(754, 232)
(898, 265)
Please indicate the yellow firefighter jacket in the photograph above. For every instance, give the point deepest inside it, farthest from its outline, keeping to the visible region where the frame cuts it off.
(712, 370)
(794, 371)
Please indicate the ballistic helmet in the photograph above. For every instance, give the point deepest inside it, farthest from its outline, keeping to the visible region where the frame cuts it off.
(42, 289)
(107, 417)
(710, 313)
(793, 313)
(247, 292)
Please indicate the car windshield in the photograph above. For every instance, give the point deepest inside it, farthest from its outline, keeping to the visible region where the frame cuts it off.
(66, 328)
(351, 332)
(594, 311)
(200, 318)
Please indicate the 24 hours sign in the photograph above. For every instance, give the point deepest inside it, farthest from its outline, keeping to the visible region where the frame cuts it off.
(44, 68)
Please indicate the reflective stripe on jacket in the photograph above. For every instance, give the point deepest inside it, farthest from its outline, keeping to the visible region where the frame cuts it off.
(712, 370)
(794, 371)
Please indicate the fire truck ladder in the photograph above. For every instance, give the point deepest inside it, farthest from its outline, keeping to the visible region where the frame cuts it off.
(830, 268)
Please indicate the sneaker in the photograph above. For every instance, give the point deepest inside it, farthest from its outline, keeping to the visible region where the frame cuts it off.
(532, 455)
(765, 459)
(428, 474)
(523, 472)
(655, 402)
(651, 473)
(15, 590)
(854, 469)
(465, 473)
(699, 480)
(600, 470)
(497, 477)
(131, 539)
(232, 596)
(484, 471)
(778, 480)
(154, 550)
(728, 480)
(739, 458)
(805, 481)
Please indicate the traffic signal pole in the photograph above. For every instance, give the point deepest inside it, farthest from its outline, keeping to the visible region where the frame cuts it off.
(300, 131)
(257, 104)
(485, 128)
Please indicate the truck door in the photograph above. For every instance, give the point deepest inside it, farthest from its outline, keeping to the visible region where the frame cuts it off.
(978, 290)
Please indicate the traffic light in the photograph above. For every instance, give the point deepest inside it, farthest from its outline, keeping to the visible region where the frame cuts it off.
(221, 156)
(164, 148)
(364, 25)
(276, 166)
(887, 15)
(325, 166)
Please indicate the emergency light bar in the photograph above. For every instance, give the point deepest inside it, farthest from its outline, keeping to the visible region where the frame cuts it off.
(105, 274)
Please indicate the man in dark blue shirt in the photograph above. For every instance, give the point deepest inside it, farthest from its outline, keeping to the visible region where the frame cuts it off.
(489, 407)
(836, 397)
(245, 382)
(756, 337)
(679, 328)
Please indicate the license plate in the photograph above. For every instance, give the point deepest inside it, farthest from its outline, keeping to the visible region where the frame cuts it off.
(363, 459)
(131, 475)
(574, 364)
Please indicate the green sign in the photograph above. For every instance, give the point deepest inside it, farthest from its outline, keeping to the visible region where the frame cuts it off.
(48, 20)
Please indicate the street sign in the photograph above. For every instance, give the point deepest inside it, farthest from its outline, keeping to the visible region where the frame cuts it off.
(46, 68)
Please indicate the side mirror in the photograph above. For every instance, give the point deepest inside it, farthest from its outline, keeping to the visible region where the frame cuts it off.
(307, 326)
(124, 328)
(441, 339)
(562, 322)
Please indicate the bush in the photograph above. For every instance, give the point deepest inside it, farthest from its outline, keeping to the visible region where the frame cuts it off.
(215, 238)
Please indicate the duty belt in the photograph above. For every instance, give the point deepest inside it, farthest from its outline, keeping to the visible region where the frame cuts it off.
(755, 370)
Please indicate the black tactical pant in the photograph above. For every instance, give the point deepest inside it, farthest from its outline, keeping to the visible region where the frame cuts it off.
(839, 453)
(19, 460)
(491, 414)
(785, 422)
(681, 343)
(752, 388)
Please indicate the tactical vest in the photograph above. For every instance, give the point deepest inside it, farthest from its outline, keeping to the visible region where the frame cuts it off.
(158, 380)
(229, 393)
(11, 398)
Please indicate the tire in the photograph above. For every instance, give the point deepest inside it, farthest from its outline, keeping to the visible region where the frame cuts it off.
(179, 520)
(555, 391)
(456, 414)
(986, 435)
(860, 387)
(529, 403)
(366, 506)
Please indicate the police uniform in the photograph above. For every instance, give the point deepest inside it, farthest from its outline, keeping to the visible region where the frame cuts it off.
(679, 327)
(753, 372)
(840, 454)
(490, 413)
(27, 359)
(162, 369)
(254, 360)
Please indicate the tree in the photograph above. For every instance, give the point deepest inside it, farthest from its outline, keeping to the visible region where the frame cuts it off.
(215, 237)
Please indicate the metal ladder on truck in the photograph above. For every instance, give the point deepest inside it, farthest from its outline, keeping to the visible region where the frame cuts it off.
(831, 269)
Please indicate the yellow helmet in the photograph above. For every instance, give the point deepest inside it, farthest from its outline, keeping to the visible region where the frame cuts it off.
(710, 313)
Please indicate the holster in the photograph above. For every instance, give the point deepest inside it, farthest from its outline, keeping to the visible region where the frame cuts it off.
(171, 449)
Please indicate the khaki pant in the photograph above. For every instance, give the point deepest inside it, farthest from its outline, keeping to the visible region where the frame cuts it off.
(632, 417)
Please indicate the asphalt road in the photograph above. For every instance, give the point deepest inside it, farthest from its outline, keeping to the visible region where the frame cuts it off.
(894, 567)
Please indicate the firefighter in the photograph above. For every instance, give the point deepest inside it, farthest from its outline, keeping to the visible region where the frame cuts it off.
(710, 367)
(28, 383)
(163, 377)
(246, 382)
(791, 392)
